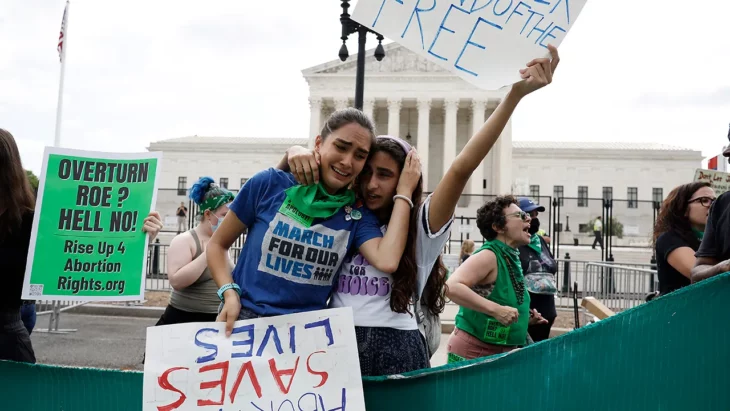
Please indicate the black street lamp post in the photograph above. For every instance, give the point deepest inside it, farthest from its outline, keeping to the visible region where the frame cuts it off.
(349, 27)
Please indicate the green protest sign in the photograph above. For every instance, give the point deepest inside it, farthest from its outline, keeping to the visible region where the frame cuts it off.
(87, 242)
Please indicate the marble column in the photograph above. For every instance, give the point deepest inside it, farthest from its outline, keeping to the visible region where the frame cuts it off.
(341, 103)
(451, 107)
(502, 165)
(369, 107)
(478, 107)
(315, 119)
(394, 116)
(422, 138)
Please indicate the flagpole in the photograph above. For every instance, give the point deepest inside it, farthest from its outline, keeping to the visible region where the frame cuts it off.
(59, 107)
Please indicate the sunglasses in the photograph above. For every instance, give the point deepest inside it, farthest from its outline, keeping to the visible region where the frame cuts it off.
(523, 215)
(705, 201)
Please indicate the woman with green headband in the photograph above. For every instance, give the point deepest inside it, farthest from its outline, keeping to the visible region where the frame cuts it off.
(299, 236)
(193, 298)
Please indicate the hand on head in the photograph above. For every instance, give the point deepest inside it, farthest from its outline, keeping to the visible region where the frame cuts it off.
(538, 73)
(410, 175)
(304, 165)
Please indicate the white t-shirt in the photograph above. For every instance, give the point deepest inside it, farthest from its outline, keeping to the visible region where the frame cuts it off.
(367, 289)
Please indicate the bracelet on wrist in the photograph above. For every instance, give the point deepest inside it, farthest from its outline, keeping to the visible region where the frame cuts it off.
(226, 287)
(402, 197)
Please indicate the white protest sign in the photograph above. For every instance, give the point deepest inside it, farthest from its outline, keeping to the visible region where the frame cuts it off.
(485, 42)
(466, 229)
(305, 361)
(719, 180)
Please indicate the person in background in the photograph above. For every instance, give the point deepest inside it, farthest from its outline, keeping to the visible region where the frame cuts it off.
(490, 289)
(598, 232)
(182, 217)
(537, 257)
(467, 248)
(713, 256)
(193, 297)
(678, 231)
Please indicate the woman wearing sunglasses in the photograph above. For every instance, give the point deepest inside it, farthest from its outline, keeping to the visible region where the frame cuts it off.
(678, 232)
(489, 287)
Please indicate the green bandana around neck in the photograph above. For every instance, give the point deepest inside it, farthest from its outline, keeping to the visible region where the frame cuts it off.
(504, 254)
(535, 243)
(316, 202)
(699, 234)
(215, 202)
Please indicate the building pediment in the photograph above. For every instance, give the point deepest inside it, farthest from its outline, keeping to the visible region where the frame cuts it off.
(397, 59)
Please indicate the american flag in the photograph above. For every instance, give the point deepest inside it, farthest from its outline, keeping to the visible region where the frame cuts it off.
(60, 36)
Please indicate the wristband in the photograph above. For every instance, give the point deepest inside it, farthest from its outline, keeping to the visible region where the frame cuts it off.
(228, 287)
(402, 197)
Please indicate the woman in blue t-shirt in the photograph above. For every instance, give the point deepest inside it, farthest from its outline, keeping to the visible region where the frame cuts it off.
(298, 236)
(386, 320)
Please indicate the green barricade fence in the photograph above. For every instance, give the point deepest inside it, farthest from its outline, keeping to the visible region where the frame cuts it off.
(670, 354)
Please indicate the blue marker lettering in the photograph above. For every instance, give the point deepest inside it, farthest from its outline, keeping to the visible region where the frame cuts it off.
(209, 357)
(290, 404)
(541, 2)
(269, 332)
(344, 402)
(442, 27)
(494, 9)
(257, 407)
(550, 34)
(471, 43)
(292, 339)
(567, 9)
(381, 10)
(249, 342)
(475, 8)
(532, 13)
(416, 12)
(541, 31)
(516, 11)
(327, 329)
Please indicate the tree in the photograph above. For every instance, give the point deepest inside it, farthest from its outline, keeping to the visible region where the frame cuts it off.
(33, 180)
(617, 228)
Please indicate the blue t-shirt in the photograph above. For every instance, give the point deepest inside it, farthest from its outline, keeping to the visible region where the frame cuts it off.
(286, 267)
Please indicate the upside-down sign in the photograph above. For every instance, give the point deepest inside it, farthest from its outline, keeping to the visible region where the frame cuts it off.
(305, 361)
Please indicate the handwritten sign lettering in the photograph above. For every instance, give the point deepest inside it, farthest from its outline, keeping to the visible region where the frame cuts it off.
(305, 361)
(485, 42)
(720, 181)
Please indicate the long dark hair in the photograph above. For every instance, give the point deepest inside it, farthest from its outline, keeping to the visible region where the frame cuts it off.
(17, 198)
(405, 279)
(673, 213)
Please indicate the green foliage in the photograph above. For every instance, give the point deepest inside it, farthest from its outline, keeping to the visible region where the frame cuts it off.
(617, 228)
(32, 179)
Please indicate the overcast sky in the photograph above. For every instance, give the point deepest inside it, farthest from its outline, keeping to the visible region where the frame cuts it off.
(145, 70)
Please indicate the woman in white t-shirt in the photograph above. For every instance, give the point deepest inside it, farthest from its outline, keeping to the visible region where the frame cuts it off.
(388, 338)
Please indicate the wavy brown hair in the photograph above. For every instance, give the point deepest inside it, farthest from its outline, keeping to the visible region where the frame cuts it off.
(491, 214)
(405, 279)
(17, 198)
(673, 213)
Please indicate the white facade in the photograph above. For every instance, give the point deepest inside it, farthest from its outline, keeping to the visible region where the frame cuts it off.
(409, 96)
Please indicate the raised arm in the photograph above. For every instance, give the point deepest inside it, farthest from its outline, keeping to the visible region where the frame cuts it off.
(476, 270)
(386, 252)
(536, 75)
(217, 250)
(182, 269)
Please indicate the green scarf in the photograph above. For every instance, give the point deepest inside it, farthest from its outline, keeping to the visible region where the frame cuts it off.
(535, 243)
(699, 234)
(215, 202)
(316, 202)
(504, 254)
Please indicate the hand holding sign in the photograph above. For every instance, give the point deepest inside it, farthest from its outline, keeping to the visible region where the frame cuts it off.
(538, 73)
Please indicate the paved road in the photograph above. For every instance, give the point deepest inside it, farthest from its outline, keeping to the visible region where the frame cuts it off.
(110, 342)
(100, 342)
